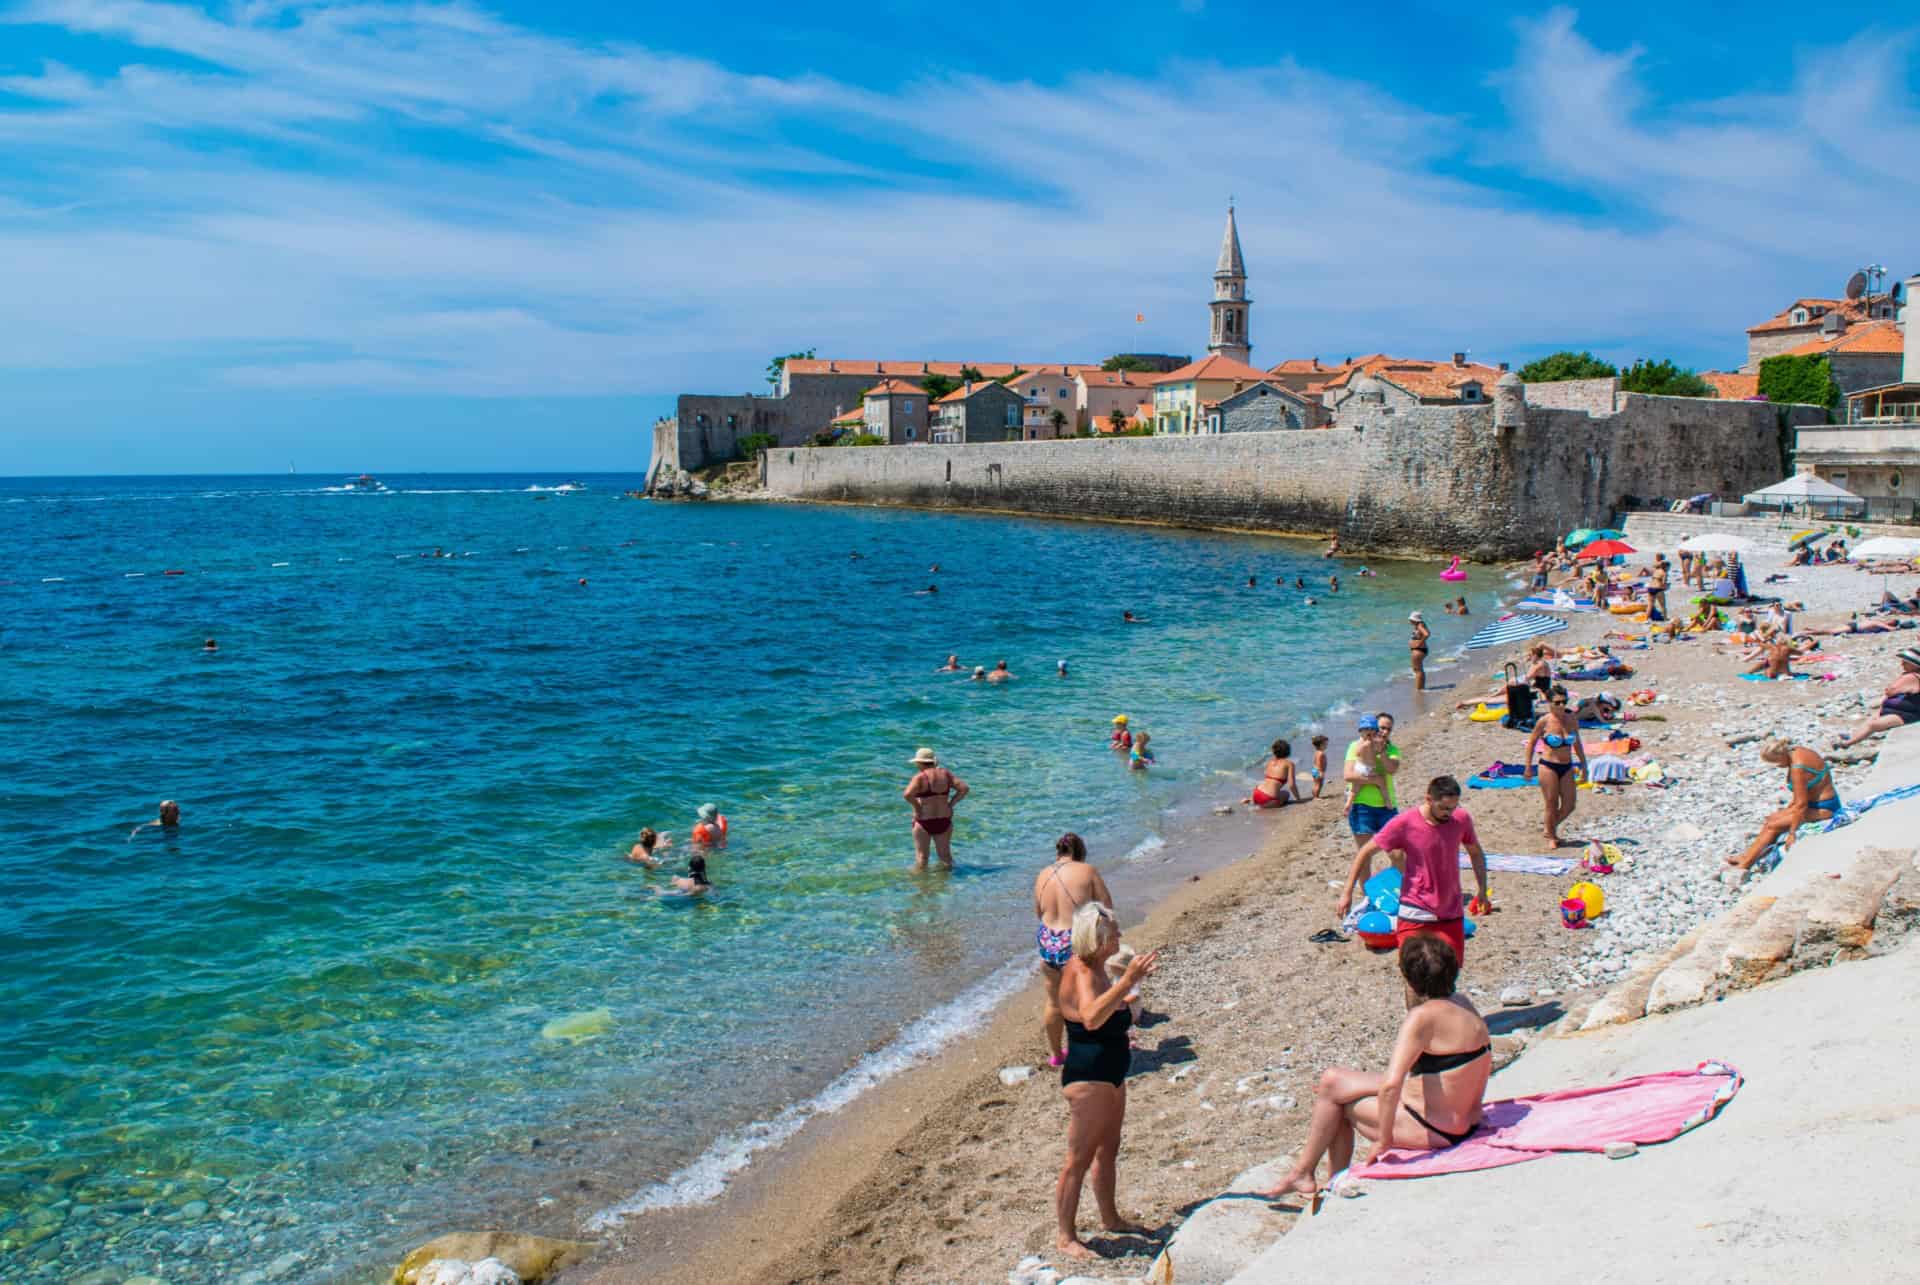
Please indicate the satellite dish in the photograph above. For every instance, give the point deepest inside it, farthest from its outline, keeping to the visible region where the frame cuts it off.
(1856, 285)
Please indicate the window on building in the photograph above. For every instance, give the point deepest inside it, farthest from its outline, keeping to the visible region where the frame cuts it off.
(906, 407)
(1013, 416)
(1063, 393)
(1229, 322)
(1799, 316)
(730, 420)
(1470, 392)
(700, 421)
(1893, 480)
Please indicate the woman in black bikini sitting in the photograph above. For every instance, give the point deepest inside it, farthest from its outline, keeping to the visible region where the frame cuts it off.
(1429, 1097)
(1556, 739)
(1899, 704)
(1094, 1079)
(1815, 797)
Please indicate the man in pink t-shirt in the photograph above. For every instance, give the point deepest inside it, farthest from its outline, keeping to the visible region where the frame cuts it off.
(1431, 836)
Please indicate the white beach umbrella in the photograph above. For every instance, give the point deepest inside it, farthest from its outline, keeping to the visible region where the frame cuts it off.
(1715, 543)
(1799, 488)
(1886, 546)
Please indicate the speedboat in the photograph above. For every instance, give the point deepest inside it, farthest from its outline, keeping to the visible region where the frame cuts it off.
(366, 482)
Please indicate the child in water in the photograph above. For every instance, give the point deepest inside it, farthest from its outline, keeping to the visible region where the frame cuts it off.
(650, 843)
(710, 830)
(1319, 764)
(1139, 758)
(1122, 739)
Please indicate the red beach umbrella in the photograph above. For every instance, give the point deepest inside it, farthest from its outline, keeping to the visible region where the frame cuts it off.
(1606, 549)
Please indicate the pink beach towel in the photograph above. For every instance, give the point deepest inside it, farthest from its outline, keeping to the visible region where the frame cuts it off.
(1642, 1110)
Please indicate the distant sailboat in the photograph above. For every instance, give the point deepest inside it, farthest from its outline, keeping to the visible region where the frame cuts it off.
(291, 468)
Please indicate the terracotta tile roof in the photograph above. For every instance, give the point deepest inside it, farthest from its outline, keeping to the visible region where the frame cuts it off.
(1211, 367)
(1731, 385)
(1882, 337)
(965, 391)
(916, 369)
(1097, 378)
(1308, 366)
(1851, 309)
(1348, 369)
(1045, 374)
(1429, 380)
(892, 387)
(851, 417)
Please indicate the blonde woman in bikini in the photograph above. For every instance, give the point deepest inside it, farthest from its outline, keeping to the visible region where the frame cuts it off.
(1059, 890)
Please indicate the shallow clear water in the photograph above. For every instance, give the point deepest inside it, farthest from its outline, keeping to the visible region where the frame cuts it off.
(310, 1020)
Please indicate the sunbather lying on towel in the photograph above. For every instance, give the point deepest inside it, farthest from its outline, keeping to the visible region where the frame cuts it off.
(1430, 1095)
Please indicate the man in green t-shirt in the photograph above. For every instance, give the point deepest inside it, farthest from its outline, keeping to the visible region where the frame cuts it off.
(1371, 762)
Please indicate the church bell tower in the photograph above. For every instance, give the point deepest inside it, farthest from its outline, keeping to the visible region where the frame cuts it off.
(1228, 336)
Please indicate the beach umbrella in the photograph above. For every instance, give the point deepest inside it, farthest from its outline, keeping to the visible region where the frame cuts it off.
(1585, 535)
(1513, 629)
(1807, 537)
(1606, 549)
(1715, 543)
(1886, 546)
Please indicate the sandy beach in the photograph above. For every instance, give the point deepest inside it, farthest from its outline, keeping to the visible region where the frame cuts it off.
(945, 1174)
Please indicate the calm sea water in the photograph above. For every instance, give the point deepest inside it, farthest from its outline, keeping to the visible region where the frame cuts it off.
(305, 1030)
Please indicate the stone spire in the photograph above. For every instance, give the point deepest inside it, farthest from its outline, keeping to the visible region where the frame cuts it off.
(1228, 334)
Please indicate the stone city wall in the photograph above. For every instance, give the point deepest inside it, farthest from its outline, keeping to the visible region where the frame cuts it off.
(1432, 479)
(1591, 396)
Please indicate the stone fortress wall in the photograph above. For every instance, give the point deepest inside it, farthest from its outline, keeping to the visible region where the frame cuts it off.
(1487, 481)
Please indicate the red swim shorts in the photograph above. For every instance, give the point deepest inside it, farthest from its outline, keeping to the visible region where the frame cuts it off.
(1451, 931)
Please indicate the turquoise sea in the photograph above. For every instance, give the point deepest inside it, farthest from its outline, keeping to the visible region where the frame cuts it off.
(303, 1031)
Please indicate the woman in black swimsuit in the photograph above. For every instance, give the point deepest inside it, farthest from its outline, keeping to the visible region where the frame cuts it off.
(1094, 1077)
(1417, 650)
(1899, 703)
(1440, 1064)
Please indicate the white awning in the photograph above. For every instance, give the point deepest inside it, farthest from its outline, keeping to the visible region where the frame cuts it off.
(1799, 488)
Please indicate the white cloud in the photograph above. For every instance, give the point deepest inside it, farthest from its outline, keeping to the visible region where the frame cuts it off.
(610, 219)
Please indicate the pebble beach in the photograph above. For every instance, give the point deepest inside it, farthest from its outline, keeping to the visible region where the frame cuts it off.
(945, 1175)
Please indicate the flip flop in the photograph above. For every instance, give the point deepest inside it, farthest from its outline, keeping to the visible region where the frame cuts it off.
(1326, 936)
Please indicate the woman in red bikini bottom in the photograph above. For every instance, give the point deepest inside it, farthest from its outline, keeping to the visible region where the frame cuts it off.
(932, 793)
(1281, 786)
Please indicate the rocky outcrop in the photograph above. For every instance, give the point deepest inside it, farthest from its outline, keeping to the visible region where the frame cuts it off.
(531, 1259)
(676, 484)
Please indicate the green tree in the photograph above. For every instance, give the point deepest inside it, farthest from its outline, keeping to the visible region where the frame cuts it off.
(1785, 380)
(779, 364)
(1125, 361)
(753, 443)
(937, 386)
(1059, 418)
(1007, 378)
(1663, 379)
(1117, 418)
(1566, 365)
(971, 375)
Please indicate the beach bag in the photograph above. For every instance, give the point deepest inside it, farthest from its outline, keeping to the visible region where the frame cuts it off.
(1608, 768)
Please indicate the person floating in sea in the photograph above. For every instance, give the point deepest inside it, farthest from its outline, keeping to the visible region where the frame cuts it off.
(934, 570)
(1139, 759)
(855, 556)
(209, 645)
(1128, 617)
(1299, 582)
(168, 820)
(695, 881)
(709, 827)
(1122, 739)
(1000, 673)
(1368, 571)
(932, 793)
(650, 843)
(1333, 584)
(930, 589)
(1460, 608)
(1311, 600)
(951, 667)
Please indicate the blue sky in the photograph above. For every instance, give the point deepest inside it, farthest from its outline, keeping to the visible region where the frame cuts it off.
(423, 236)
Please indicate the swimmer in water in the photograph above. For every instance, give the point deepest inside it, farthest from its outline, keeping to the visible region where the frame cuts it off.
(709, 827)
(934, 570)
(695, 881)
(210, 645)
(1299, 582)
(1000, 673)
(951, 667)
(1333, 584)
(1252, 583)
(650, 843)
(1127, 617)
(979, 673)
(1061, 669)
(854, 556)
(1311, 600)
(169, 819)
(921, 593)
(1365, 571)
(1139, 758)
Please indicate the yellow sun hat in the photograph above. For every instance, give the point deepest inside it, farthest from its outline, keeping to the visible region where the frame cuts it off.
(1120, 718)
